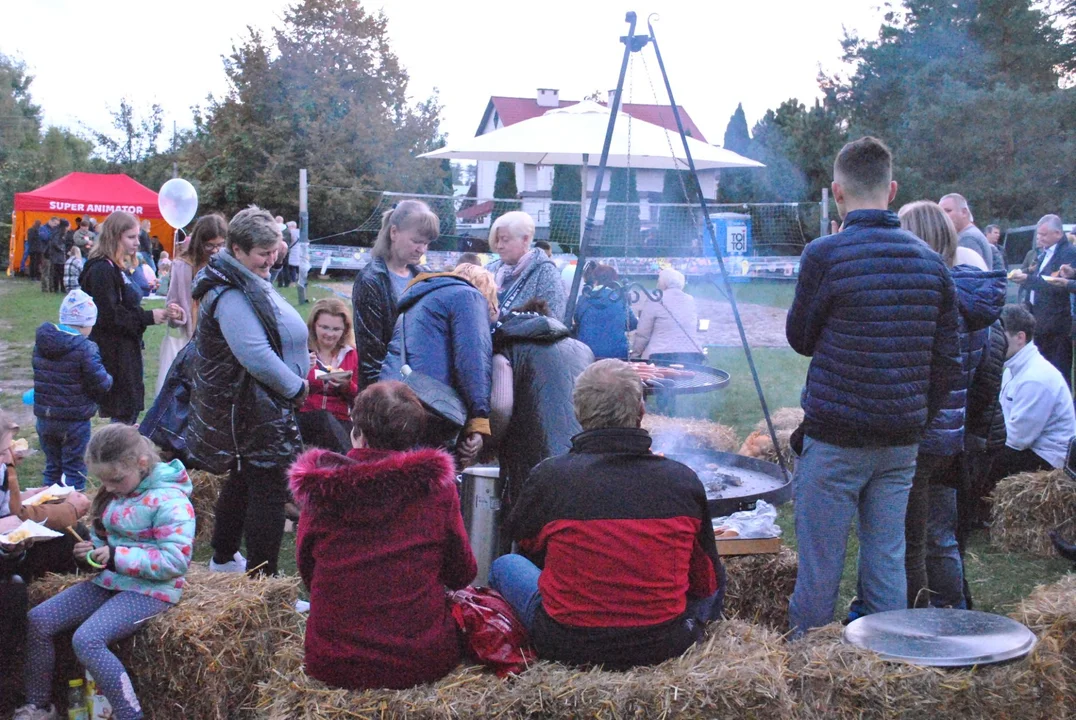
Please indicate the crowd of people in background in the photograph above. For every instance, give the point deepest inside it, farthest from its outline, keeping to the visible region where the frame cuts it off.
(924, 388)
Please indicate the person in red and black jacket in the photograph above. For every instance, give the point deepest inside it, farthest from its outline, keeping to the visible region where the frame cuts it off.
(621, 567)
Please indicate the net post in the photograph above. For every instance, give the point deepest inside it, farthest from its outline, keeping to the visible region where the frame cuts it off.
(823, 223)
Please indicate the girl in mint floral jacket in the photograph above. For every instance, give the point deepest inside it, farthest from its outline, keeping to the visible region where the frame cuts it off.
(143, 535)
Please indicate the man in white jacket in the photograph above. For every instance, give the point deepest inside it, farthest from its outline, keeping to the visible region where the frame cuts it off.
(1038, 409)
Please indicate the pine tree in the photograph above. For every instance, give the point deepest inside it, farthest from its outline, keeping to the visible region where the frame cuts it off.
(504, 190)
(735, 185)
(676, 227)
(737, 139)
(564, 219)
(621, 229)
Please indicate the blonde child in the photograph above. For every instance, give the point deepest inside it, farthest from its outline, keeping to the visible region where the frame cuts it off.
(142, 537)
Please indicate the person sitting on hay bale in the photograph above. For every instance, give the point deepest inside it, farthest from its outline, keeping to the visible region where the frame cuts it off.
(380, 536)
(1036, 402)
(621, 567)
(142, 538)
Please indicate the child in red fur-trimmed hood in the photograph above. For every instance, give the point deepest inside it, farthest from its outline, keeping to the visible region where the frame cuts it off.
(380, 537)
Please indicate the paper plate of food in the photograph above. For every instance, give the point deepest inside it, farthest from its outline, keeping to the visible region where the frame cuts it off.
(51, 493)
(28, 530)
(333, 375)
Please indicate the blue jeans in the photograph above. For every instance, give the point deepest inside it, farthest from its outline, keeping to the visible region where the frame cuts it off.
(516, 578)
(64, 443)
(945, 568)
(832, 485)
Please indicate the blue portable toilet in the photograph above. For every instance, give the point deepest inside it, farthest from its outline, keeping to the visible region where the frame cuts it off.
(733, 234)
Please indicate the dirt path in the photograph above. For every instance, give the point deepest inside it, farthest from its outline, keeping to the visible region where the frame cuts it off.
(764, 325)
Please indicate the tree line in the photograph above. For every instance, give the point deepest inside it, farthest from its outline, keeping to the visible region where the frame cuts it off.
(973, 96)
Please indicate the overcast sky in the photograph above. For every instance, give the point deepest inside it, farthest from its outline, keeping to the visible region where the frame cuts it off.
(717, 52)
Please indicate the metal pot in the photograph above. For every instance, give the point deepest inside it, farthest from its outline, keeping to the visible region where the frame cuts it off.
(480, 502)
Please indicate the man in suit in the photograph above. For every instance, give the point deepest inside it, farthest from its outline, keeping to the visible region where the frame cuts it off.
(1049, 299)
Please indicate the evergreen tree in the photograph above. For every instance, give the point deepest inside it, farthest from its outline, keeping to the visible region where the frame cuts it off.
(563, 218)
(504, 190)
(677, 232)
(734, 185)
(966, 93)
(737, 139)
(621, 229)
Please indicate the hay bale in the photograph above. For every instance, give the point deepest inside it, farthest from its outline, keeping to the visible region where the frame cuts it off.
(836, 681)
(737, 672)
(759, 587)
(759, 444)
(204, 499)
(1050, 611)
(673, 435)
(204, 657)
(1027, 506)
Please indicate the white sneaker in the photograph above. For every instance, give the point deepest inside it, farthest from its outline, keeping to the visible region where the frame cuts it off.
(302, 606)
(237, 564)
(33, 712)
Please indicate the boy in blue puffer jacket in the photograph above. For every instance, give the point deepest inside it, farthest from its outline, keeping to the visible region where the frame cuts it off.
(69, 380)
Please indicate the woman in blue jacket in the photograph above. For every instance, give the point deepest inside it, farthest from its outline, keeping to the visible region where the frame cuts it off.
(444, 322)
(932, 561)
(603, 317)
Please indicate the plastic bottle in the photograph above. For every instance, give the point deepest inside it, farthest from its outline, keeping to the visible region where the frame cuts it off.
(97, 705)
(76, 700)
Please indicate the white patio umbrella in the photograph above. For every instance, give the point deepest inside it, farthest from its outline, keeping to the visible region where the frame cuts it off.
(572, 135)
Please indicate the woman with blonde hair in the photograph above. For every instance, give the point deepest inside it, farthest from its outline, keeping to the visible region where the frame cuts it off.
(522, 271)
(932, 561)
(444, 331)
(406, 232)
(121, 321)
(325, 419)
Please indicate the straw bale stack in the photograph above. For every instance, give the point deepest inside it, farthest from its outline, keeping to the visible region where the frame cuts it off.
(737, 672)
(759, 445)
(1027, 506)
(1050, 611)
(759, 587)
(835, 681)
(687, 434)
(204, 499)
(204, 657)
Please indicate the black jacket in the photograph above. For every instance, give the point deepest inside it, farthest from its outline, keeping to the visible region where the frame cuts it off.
(121, 321)
(69, 378)
(235, 421)
(374, 308)
(1051, 309)
(986, 423)
(875, 309)
(545, 363)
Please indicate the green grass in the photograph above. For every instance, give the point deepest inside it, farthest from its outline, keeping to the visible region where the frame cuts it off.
(998, 579)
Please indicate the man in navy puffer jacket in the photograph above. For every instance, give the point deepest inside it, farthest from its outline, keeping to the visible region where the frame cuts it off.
(875, 309)
(69, 380)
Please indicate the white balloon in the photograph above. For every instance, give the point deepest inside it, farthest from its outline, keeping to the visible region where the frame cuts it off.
(178, 202)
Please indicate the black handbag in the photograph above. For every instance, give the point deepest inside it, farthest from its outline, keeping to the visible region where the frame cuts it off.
(437, 397)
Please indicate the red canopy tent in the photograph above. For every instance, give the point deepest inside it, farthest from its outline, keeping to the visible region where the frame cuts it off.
(84, 195)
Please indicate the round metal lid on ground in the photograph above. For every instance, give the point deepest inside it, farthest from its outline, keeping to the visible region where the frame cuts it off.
(941, 638)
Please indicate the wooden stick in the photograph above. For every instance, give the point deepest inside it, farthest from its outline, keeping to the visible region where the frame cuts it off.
(73, 533)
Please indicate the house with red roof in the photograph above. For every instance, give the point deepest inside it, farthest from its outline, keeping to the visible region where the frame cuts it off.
(535, 182)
